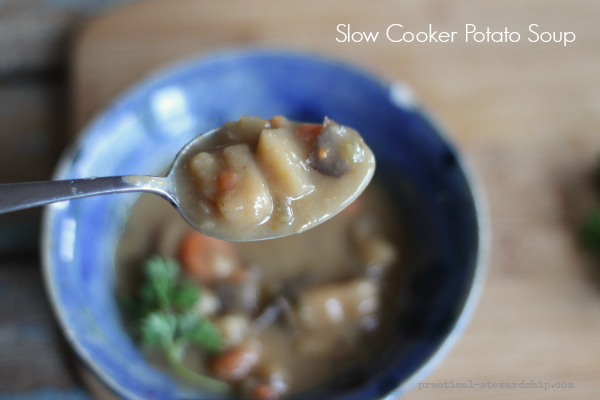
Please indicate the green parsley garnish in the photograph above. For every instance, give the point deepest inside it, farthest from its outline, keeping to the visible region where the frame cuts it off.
(163, 317)
(589, 231)
(597, 172)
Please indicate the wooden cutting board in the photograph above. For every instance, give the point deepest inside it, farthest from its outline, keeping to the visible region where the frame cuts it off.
(526, 114)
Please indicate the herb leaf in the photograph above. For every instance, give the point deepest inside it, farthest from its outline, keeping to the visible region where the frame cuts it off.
(597, 172)
(199, 330)
(161, 277)
(185, 296)
(207, 335)
(157, 329)
(164, 317)
(590, 230)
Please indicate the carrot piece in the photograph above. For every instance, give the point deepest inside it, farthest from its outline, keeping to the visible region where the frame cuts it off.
(309, 132)
(235, 364)
(207, 259)
(264, 391)
(353, 208)
(227, 180)
(322, 153)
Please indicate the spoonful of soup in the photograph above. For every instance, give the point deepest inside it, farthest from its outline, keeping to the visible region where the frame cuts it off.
(250, 179)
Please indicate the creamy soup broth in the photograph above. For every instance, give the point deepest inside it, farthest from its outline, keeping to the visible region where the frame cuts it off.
(356, 259)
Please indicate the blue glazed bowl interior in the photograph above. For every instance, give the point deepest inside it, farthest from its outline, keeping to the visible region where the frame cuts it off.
(142, 132)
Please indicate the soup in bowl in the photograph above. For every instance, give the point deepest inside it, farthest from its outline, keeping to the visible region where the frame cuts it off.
(360, 307)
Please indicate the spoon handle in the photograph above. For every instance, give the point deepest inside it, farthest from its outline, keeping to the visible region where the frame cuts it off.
(17, 196)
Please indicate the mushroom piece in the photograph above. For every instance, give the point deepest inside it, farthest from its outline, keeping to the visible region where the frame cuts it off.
(240, 293)
(335, 150)
(278, 307)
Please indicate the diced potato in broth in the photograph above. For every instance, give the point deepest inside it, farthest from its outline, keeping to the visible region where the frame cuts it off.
(292, 313)
(279, 157)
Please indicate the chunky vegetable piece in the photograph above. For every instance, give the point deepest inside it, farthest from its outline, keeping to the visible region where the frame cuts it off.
(327, 306)
(207, 259)
(242, 196)
(235, 364)
(280, 158)
(255, 177)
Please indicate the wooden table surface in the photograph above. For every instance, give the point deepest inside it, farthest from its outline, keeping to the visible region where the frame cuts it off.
(527, 115)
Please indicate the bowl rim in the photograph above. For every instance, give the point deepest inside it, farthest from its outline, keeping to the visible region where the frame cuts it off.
(157, 74)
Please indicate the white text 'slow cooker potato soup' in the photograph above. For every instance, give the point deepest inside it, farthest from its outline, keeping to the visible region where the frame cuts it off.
(266, 319)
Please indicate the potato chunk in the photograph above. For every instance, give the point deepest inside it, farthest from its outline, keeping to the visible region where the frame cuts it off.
(249, 128)
(338, 304)
(333, 315)
(280, 158)
(248, 202)
(234, 328)
(205, 166)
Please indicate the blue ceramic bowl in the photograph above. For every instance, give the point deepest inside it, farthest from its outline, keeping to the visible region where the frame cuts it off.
(142, 131)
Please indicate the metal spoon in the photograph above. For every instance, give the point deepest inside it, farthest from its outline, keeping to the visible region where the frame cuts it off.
(18, 196)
